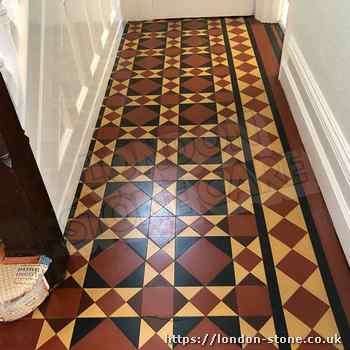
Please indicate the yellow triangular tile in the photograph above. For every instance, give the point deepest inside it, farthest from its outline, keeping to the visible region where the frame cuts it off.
(220, 292)
(271, 217)
(259, 272)
(146, 333)
(246, 328)
(189, 310)
(287, 286)
(279, 249)
(86, 251)
(297, 218)
(327, 327)
(314, 285)
(189, 292)
(169, 273)
(45, 335)
(127, 293)
(79, 276)
(124, 311)
(240, 273)
(236, 247)
(109, 234)
(37, 315)
(66, 333)
(254, 246)
(170, 249)
(268, 330)
(92, 312)
(150, 273)
(221, 309)
(304, 247)
(96, 293)
(151, 248)
(296, 328)
(166, 330)
(134, 234)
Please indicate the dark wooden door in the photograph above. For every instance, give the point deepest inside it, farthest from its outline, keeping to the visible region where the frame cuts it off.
(28, 225)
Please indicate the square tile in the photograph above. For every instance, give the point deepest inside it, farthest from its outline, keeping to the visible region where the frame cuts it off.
(161, 229)
(201, 150)
(154, 26)
(195, 60)
(253, 301)
(63, 303)
(194, 24)
(196, 84)
(201, 198)
(140, 115)
(198, 113)
(215, 269)
(148, 43)
(306, 307)
(135, 152)
(145, 86)
(297, 267)
(124, 199)
(123, 259)
(194, 41)
(158, 302)
(148, 62)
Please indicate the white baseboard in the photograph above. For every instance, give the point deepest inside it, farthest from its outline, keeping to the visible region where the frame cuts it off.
(156, 9)
(72, 183)
(325, 144)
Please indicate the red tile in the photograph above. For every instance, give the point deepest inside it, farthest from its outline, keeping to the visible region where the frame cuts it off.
(116, 263)
(201, 197)
(64, 303)
(306, 307)
(202, 226)
(160, 260)
(161, 229)
(206, 269)
(158, 302)
(105, 333)
(253, 301)
(297, 267)
(205, 301)
(155, 343)
(53, 344)
(247, 259)
(110, 302)
(20, 335)
(288, 233)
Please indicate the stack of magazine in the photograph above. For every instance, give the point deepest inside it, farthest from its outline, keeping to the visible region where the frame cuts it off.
(23, 286)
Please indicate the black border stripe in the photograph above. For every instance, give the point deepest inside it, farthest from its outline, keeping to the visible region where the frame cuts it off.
(272, 282)
(328, 281)
(276, 47)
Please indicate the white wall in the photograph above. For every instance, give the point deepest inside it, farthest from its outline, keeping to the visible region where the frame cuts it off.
(72, 46)
(13, 50)
(315, 75)
(322, 30)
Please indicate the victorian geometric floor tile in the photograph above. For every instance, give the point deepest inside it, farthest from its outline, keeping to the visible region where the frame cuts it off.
(189, 218)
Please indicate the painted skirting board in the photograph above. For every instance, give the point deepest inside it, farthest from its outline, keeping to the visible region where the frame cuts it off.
(328, 150)
(157, 9)
(268, 11)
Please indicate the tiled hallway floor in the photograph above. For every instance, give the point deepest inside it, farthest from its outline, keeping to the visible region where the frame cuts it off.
(188, 219)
